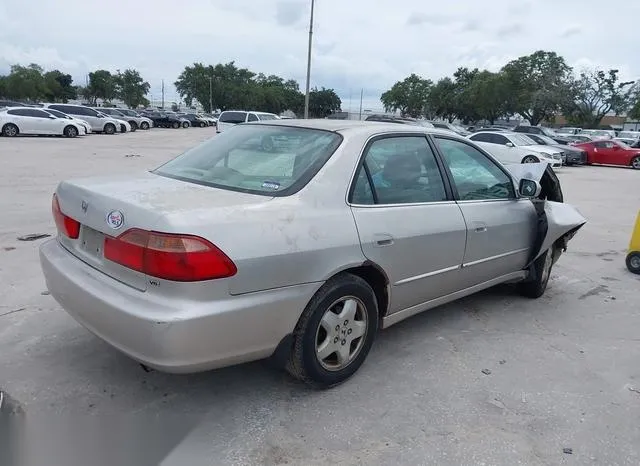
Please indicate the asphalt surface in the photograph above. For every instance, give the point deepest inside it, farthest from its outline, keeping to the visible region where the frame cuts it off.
(494, 379)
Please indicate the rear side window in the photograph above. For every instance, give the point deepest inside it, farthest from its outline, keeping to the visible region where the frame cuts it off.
(233, 117)
(265, 116)
(252, 117)
(267, 160)
(481, 137)
(399, 170)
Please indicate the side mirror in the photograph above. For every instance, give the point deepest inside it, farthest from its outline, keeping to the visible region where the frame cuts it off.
(529, 188)
(509, 144)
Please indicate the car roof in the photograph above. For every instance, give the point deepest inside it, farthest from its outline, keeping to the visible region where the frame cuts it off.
(353, 126)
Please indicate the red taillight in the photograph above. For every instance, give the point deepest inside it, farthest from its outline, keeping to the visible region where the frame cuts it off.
(65, 224)
(181, 258)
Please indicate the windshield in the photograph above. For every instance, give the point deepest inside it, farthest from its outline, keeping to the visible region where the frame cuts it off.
(566, 130)
(58, 114)
(548, 132)
(267, 160)
(425, 124)
(546, 140)
(621, 144)
(522, 140)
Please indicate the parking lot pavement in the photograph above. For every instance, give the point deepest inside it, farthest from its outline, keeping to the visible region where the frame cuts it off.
(492, 379)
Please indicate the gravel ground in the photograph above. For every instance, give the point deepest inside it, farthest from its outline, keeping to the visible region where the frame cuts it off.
(562, 372)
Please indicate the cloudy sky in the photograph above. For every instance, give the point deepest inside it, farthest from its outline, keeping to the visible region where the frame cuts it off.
(358, 44)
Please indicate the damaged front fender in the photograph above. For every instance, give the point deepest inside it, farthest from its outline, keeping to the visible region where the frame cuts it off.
(557, 222)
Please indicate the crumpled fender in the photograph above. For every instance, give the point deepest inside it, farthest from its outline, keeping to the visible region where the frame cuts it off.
(557, 222)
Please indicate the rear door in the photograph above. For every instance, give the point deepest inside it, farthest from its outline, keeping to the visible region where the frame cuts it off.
(407, 221)
(25, 125)
(501, 227)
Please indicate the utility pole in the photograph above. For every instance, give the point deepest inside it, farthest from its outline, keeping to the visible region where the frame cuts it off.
(163, 94)
(306, 94)
(361, 93)
(210, 94)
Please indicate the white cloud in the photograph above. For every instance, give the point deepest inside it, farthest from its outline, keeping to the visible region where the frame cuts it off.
(357, 43)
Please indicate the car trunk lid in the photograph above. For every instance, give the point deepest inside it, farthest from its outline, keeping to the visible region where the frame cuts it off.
(110, 206)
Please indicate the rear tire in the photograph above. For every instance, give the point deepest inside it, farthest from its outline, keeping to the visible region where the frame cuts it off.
(633, 262)
(542, 269)
(109, 128)
(185, 124)
(202, 124)
(326, 350)
(144, 125)
(134, 125)
(175, 125)
(635, 163)
(530, 159)
(10, 130)
(70, 131)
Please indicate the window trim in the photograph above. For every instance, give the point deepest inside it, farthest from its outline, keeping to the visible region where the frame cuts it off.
(456, 195)
(362, 162)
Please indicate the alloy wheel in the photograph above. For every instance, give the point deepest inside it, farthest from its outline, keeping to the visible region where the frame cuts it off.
(341, 333)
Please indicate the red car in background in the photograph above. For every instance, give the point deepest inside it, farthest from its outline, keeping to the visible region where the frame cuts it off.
(610, 152)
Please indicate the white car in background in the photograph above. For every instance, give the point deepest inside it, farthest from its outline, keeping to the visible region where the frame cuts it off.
(35, 121)
(528, 150)
(135, 121)
(230, 118)
(599, 133)
(64, 116)
(125, 126)
(99, 123)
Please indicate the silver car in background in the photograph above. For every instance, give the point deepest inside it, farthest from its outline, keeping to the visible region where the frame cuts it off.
(297, 239)
(135, 121)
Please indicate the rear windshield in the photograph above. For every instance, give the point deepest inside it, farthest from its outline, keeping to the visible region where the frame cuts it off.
(266, 116)
(233, 117)
(258, 159)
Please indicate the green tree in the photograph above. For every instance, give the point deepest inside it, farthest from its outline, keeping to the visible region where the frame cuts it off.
(25, 82)
(226, 86)
(131, 88)
(539, 85)
(409, 96)
(634, 111)
(595, 94)
(488, 94)
(323, 102)
(3, 86)
(102, 85)
(59, 86)
(465, 108)
(442, 99)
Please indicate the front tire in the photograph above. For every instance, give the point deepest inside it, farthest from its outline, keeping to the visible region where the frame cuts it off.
(110, 128)
(70, 132)
(335, 332)
(185, 124)
(633, 262)
(635, 163)
(175, 125)
(10, 130)
(542, 269)
(134, 125)
(144, 125)
(530, 159)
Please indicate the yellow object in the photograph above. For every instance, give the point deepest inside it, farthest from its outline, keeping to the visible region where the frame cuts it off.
(633, 257)
(634, 245)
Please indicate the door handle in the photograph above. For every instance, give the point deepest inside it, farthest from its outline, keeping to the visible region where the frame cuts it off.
(383, 239)
(479, 227)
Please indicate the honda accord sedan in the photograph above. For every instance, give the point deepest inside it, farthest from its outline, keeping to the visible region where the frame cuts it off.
(297, 240)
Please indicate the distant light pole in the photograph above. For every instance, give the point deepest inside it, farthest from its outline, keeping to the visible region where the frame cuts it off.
(306, 94)
(210, 94)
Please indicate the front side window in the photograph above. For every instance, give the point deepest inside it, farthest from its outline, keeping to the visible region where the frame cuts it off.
(399, 170)
(252, 117)
(499, 139)
(267, 160)
(475, 176)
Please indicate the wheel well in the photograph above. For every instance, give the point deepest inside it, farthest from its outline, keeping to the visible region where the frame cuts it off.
(378, 282)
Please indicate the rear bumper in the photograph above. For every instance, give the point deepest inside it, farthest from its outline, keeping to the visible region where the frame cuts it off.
(172, 334)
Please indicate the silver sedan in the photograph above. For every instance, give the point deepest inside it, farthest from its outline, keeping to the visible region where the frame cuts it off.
(297, 239)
